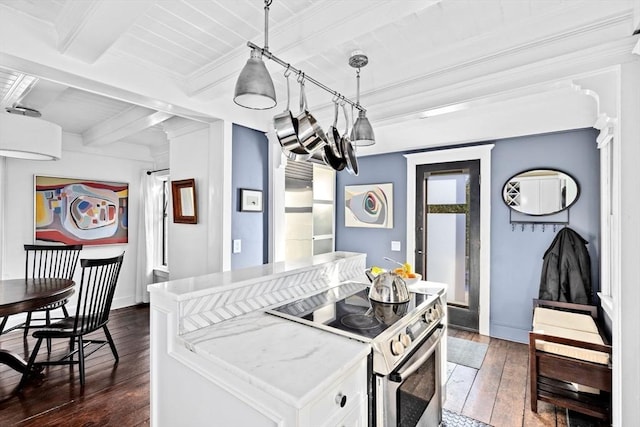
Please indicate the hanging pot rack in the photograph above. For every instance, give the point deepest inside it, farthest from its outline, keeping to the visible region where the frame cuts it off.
(266, 53)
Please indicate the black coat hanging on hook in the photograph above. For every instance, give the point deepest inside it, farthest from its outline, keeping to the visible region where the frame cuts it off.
(566, 269)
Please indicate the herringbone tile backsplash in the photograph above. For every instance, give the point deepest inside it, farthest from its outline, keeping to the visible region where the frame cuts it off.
(216, 307)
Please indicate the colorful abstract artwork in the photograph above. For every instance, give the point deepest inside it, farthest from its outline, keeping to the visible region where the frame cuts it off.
(368, 205)
(81, 211)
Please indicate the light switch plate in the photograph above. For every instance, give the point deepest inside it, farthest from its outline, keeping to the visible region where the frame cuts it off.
(237, 246)
(395, 246)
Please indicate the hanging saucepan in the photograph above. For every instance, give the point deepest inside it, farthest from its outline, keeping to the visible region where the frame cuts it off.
(319, 157)
(332, 152)
(295, 150)
(286, 125)
(310, 134)
(347, 149)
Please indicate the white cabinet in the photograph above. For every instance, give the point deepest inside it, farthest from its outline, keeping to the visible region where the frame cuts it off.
(191, 386)
(355, 418)
(342, 402)
(253, 369)
(309, 210)
(324, 180)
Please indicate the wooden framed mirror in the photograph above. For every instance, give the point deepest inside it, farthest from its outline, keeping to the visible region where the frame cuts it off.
(185, 206)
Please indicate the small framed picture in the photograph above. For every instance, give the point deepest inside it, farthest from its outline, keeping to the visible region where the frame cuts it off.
(250, 200)
(185, 206)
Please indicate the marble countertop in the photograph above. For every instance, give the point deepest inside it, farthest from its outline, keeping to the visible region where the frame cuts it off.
(191, 287)
(428, 287)
(281, 357)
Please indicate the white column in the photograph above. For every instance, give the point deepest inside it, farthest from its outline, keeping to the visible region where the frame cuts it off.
(202, 151)
(277, 223)
(626, 393)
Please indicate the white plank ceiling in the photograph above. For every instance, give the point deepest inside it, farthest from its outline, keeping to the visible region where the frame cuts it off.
(115, 70)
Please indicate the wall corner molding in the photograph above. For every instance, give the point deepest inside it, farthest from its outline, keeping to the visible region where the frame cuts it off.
(606, 125)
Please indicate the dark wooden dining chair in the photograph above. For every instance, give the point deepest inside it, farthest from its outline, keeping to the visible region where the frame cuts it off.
(95, 294)
(42, 261)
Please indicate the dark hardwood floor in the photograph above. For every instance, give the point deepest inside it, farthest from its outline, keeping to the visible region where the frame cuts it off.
(114, 395)
(118, 395)
(498, 392)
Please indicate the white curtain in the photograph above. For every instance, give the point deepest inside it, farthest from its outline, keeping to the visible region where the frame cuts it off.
(149, 239)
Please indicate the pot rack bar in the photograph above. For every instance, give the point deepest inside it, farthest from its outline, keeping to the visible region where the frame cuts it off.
(265, 52)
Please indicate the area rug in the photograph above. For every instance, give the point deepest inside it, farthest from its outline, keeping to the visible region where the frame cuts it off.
(465, 352)
(451, 419)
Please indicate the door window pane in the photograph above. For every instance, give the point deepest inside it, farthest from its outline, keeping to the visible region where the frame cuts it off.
(447, 188)
(447, 237)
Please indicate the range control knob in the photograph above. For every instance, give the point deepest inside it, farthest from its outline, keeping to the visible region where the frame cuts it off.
(428, 315)
(405, 340)
(439, 312)
(396, 348)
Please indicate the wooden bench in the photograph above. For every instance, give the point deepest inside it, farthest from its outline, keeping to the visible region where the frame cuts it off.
(569, 359)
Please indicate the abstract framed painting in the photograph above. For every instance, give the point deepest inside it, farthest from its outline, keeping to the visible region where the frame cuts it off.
(80, 211)
(369, 205)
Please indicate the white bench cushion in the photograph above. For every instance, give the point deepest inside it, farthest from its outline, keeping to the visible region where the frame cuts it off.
(564, 319)
(567, 350)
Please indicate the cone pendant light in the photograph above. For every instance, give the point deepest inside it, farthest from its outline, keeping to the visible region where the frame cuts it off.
(254, 87)
(362, 132)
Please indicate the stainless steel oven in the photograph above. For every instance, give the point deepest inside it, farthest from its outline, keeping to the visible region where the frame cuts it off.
(405, 380)
(411, 395)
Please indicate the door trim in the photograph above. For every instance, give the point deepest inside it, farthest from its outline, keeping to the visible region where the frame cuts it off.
(479, 152)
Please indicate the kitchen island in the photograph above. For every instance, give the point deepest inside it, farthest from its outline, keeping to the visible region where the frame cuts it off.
(218, 359)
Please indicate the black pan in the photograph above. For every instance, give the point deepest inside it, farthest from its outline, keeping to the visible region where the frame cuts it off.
(332, 150)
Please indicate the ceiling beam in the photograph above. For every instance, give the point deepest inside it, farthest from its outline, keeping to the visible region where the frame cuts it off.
(87, 29)
(130, 122)
(323, 29)
(19, 88)
(44, 93)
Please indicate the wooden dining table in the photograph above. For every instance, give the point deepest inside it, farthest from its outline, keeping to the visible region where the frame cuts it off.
(22, 295)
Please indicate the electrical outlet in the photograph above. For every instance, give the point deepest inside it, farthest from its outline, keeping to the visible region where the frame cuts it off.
(395, 246)
(237, 246)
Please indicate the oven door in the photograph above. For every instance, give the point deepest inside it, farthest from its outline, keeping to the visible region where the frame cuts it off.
(411, 395)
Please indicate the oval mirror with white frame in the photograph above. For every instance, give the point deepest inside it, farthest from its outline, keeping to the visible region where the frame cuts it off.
(540, 191)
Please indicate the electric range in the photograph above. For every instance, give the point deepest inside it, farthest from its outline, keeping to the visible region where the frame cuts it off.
(393, 330)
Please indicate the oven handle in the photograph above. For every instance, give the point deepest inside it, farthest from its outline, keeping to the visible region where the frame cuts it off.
(405, 372)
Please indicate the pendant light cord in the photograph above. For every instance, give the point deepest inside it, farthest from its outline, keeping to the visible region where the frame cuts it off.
(267, 3)
(358, 86)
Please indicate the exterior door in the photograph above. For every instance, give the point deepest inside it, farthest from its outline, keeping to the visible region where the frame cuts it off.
(448, 235)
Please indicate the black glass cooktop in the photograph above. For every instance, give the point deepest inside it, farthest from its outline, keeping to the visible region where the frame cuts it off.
(348, 308)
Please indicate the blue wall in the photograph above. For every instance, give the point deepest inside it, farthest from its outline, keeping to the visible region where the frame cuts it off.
(375, 242)
(516, 256)
(249, 170)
